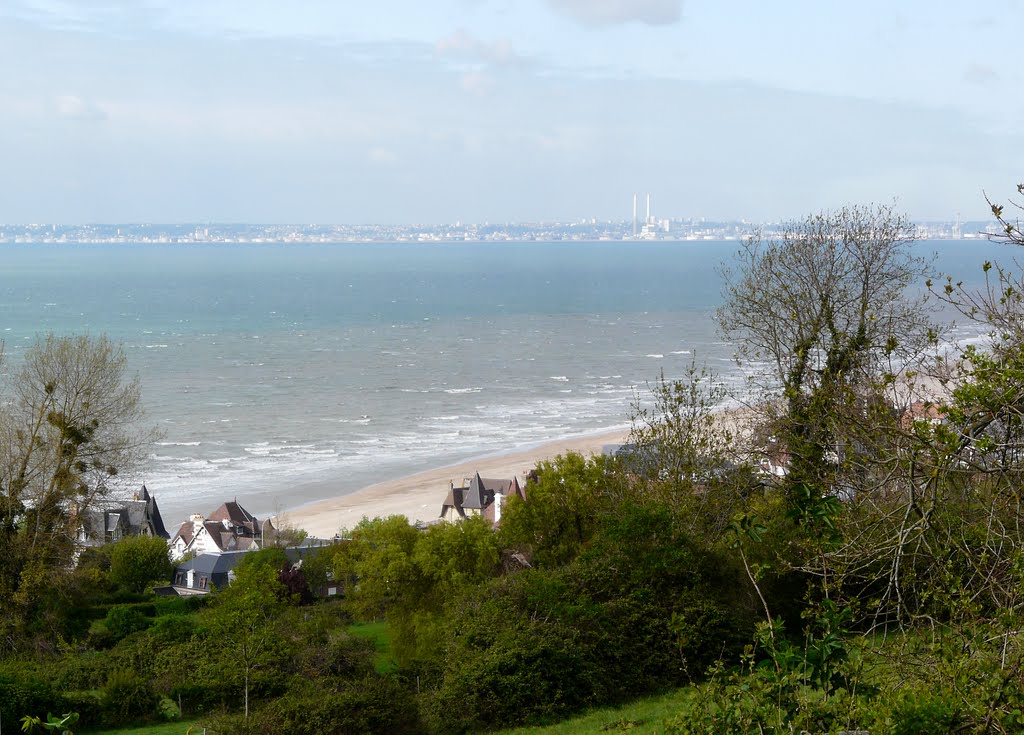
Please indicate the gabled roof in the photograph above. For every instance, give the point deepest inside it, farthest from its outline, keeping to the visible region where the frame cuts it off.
(454, 500)
(154, 513)
(185, 532)
(232, 511)
(138, 516)
(480, 495)
(475, 497)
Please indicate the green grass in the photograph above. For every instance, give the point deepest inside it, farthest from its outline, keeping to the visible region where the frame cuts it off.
(164, 728)
(644, 717)
(384, 661)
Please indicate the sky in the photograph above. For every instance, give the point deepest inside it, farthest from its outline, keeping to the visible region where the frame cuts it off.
(414, 112)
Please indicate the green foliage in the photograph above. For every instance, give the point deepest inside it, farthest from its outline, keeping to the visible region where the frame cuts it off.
(67, 433)
(24, 691)
(138, 561)
(273, 557)
(367, 706)
(243, 619)
(123, 620)
(60, 725)
(684, 454)
(925, 715)
(566, 501)
(640, 609)
(377, 566)
(127, 697)
(170, 629)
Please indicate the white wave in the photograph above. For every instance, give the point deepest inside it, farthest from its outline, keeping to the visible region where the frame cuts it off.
(560, 378)
(458, 391)
(656, 355)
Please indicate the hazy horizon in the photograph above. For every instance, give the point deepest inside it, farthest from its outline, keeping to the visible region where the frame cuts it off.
(499, 111)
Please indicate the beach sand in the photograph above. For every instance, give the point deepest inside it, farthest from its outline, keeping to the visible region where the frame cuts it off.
(419, 497)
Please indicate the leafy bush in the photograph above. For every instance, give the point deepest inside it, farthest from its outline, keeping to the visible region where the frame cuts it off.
(639, 610)
(24, 693)
(88, 705)
(123, 620)
(925, 715)
(371, 705)
(126, 698)
(170, 629)
(138, 561)
(179, 605)
(87, 670)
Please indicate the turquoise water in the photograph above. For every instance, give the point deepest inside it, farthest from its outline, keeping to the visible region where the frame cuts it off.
(270, 368)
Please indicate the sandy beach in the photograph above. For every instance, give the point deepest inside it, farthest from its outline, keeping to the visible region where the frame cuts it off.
(419, 497)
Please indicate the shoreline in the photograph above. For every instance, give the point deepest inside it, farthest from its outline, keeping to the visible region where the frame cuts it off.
(419, 496)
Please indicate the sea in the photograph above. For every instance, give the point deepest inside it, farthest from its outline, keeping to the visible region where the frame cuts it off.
(276, 373)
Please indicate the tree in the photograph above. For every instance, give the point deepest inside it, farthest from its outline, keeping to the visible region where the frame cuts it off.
(566, 500)
(825, 311)
(244, 619)
(377, 566)
(1011, 228)
(137, 561)
(682, 446)
(68, 433)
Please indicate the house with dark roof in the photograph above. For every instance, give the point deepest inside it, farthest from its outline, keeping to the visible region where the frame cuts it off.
(229, 528)
(205, 572)
(479, 496)
(109, 520)
(200, 574)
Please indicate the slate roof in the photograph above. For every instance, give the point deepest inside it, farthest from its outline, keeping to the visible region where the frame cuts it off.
(138, 516)
(480, 495)
(210, 564)
(232, 511)
(230, 526)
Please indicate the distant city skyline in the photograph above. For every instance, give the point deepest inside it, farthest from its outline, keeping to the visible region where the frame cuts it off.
(589, 230)
(403, 112)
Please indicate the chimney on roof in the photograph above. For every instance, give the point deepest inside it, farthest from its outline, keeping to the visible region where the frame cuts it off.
(197, 522)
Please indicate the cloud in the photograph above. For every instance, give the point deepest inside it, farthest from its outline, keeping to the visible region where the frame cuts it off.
(476, 83)
(613, 12)
(382, 156)
(73, 107)
(464, 45)
(981, 74)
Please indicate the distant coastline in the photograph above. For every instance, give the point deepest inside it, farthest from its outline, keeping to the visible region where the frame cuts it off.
(588, 230)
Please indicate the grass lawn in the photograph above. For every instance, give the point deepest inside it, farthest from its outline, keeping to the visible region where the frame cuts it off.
(384, 661)
(164, 728)
(644, 717)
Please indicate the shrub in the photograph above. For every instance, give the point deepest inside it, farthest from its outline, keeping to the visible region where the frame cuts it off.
(137, 561)
(640, 609)
(371, 705)
(24, 694)
(172, 629)
(126, 698)
(925, 715)
(123, 620)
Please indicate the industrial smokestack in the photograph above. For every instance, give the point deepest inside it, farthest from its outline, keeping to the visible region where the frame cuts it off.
(648, 208)
(634, 215)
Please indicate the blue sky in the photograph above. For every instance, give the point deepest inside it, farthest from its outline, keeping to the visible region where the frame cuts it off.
(404, 111)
